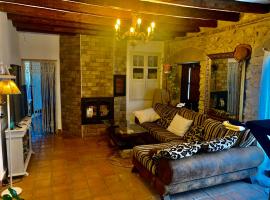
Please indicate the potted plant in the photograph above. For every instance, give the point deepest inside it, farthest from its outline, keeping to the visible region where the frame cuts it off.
(12, 195)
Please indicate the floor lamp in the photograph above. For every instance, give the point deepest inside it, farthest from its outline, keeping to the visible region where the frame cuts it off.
(8, 87)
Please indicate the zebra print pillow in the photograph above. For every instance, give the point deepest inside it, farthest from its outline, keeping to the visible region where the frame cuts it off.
(219, 144)
(178, 151)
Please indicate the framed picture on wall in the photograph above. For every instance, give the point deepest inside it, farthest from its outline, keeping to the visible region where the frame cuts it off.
(119, 85)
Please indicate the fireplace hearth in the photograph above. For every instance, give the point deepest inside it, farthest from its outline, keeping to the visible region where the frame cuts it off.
(94, 110)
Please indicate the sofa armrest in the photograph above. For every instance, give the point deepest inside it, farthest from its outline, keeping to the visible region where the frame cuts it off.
(209, 164)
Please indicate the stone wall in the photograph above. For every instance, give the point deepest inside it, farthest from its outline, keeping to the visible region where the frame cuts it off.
(120, 64)
(93, 60)
(253, 30)
(97, 66)
(70, 76)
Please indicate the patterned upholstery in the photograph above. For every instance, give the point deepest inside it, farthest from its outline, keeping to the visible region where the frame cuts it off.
(213, 129)
(245, 138)
(195, 133)
(198, 119)
(141, 154)
(159, 133)
(166, 114)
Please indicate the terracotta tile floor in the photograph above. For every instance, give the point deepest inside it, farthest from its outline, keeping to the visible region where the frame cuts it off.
(80, 169)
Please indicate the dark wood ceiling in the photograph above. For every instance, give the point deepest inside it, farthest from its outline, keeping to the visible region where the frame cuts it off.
(174, 18)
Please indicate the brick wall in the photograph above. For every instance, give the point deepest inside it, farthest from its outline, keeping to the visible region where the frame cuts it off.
(97, 66)
(96, 60)
(120, 63)
(70, 76)
(253, 30)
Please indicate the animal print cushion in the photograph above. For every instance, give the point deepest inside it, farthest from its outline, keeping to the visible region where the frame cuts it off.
(219, 144)
(178, 151)
(195, 133)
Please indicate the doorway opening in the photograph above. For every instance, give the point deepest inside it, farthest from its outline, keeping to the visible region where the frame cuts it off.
(40, 89)
(190, 85)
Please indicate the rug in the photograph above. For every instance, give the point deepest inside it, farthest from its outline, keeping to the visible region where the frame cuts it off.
(122, 158)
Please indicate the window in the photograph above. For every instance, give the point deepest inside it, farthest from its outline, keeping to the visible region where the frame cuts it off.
(145, 75)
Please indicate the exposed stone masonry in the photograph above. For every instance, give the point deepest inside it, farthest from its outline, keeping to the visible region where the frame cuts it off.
(70, 84)
(225, 39)
(97, 60)
(97, 66)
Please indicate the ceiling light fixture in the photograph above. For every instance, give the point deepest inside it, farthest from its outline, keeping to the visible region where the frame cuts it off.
(135, 31)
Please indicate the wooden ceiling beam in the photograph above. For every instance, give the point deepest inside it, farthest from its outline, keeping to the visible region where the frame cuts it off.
(110, 13)
(224, 5)
(76, 7)
(148, 7)
(45, 32)
(160, 37)
(33, 11)
(56, 14)
(42, 21)
(58, 29)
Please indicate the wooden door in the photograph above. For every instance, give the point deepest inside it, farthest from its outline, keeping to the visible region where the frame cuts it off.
(190, 85)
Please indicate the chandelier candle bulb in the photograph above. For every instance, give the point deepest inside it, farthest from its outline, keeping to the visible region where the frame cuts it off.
(118, 21)
(149, 30)
(139, 21)
(116, 27)
(135, 31)
(153, 25)
(132, 30)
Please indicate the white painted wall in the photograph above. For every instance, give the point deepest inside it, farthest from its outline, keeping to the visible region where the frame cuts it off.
(156, 47)
(9, 54)
(43, 47)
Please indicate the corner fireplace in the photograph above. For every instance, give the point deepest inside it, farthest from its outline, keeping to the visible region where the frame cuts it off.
(94, 110)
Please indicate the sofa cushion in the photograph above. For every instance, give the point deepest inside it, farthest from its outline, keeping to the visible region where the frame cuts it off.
(195, 133)
(179, 125)
(245, 138)
(146, 115)
(142, 155)
(220, 144)
(198, 119)
(178, 151)
(204, 165)
(159, 133)
(213, 129)
(166, 114)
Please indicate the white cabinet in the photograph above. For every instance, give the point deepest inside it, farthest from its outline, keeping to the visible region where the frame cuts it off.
(144, 73)
(21, 147)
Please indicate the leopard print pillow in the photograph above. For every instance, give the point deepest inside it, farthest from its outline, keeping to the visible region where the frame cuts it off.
(178, 151)
(219, 144)
(195, 133)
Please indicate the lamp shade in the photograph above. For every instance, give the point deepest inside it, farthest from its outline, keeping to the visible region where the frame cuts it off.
(9, 87)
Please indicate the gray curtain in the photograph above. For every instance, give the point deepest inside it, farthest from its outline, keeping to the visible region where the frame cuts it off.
(233, 88)
(48, 96)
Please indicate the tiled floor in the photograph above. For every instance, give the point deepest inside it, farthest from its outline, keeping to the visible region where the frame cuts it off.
(76, 169)
(80, 169)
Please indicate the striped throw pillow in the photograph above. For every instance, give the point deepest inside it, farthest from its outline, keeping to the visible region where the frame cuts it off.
(213, 129)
